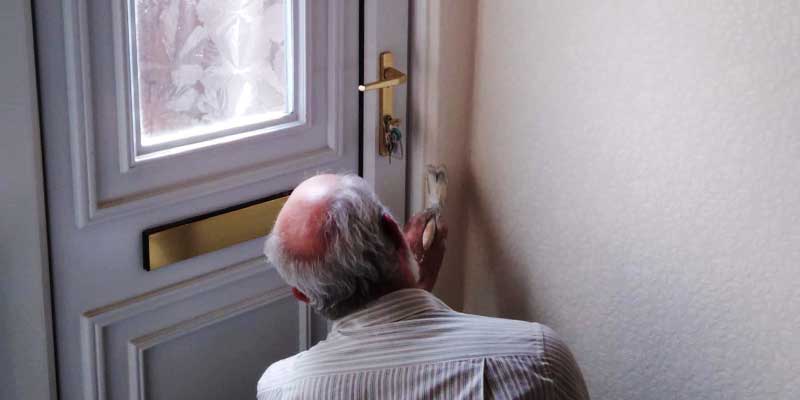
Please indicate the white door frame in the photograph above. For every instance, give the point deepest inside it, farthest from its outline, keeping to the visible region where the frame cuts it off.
(28, 352)
(424, 99)
(26, 342)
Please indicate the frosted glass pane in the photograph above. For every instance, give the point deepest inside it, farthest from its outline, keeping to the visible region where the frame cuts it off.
(209, 65)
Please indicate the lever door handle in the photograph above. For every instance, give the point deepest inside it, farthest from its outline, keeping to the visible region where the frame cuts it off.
(391, 77)
(389, 141)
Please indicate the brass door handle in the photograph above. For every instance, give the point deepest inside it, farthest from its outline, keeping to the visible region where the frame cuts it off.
(391, 77)
(389, 141)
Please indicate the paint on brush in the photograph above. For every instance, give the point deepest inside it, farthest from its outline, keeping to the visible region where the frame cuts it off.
(436, 188)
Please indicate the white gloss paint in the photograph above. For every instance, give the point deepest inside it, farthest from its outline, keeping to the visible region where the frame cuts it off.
(26, 341)
(104, 287)
(103, 299)
(385, 29)
(634, 170)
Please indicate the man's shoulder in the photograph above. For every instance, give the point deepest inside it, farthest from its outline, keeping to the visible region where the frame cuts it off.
(277, 373)
(533, 337)
(534, 329)
(520, 327)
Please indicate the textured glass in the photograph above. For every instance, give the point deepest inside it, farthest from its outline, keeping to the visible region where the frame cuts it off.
(209, 65)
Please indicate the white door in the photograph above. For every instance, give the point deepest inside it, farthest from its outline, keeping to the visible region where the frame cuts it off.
(160, 113)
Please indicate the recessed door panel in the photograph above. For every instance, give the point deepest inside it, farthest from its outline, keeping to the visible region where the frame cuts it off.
(183, 356)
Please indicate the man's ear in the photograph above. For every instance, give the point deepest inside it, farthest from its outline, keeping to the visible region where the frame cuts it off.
(409, 270)
(391, 228)
(299, 295)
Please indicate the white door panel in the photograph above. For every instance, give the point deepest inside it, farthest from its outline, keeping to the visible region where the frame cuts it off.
(205, 327)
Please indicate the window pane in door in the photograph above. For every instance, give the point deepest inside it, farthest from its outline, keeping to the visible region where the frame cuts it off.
(207, 66)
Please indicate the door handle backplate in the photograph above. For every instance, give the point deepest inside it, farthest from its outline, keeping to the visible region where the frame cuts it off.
(388, 125)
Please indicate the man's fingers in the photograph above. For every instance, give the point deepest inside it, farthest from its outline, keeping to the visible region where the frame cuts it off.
(415, 227)
(417, 222)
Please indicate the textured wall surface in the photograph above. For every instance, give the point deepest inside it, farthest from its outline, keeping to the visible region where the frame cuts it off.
(635, 183)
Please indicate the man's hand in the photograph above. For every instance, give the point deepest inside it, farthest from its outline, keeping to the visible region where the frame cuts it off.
(430, 261)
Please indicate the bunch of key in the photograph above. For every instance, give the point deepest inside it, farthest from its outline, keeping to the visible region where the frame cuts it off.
(392, 137)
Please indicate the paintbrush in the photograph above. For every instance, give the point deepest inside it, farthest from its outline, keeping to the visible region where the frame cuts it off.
(436, 188)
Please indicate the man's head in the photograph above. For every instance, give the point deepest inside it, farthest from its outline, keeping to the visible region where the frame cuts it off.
(338, 247)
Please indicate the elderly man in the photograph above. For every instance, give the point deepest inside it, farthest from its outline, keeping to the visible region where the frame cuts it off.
(343, 254)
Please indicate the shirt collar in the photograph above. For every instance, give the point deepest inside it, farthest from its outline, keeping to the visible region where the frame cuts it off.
(395, 306)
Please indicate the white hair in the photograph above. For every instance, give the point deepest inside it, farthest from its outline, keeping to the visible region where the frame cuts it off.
(360, 261)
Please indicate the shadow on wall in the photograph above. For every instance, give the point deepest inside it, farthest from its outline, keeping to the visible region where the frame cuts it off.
(509, 297)
(450, 286)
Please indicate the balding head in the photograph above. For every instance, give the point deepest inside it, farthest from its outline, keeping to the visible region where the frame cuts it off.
(301, 219)
(336, 244)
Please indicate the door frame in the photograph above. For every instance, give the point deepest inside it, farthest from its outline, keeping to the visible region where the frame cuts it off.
(27, 339)
(424, 118)
(32, 355)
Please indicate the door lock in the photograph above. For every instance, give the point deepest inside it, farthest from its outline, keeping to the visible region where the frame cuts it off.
(390, 141)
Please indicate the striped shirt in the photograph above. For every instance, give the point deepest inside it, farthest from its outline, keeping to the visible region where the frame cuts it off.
(410, 345)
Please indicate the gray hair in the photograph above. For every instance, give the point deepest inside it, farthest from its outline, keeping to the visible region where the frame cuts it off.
(360, 260)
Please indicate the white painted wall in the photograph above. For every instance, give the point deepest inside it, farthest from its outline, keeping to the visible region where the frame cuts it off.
(26, 365)
(635, 184)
